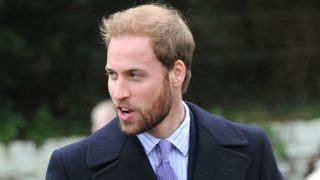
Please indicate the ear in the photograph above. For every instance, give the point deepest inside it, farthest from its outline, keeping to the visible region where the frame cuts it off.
(177, 73)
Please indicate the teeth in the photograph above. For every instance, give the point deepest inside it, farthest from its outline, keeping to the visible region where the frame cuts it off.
(125, 111)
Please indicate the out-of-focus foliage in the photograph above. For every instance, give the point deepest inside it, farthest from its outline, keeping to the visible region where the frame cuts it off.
(262, 51)
(248, 52)
(11, 123)
(43, 126)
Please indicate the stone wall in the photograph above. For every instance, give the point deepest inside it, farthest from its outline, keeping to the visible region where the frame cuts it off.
(302, 141)
(23, 160)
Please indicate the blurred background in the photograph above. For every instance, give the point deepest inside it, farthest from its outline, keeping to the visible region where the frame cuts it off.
(256, 62)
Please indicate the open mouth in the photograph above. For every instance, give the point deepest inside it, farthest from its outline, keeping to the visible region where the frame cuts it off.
(125, 111)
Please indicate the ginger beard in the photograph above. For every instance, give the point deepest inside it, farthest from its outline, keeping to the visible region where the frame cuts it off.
(149, 117)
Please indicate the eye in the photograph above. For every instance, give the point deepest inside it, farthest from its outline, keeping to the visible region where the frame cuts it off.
(135, 75)
(112, 75)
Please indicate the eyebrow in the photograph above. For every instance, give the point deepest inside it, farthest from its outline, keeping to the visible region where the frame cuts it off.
(127, 70)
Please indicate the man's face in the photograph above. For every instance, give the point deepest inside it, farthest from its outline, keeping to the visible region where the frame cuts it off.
(138, 84)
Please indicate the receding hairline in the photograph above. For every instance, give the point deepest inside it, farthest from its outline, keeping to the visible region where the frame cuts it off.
(152, 11)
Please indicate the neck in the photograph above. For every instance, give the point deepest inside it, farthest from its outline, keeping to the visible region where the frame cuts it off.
(171, 122)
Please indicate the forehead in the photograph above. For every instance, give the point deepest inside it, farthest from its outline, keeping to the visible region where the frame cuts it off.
(130, 42)
(130, 50)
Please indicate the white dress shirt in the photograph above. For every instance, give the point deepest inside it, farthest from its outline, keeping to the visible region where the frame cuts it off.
(179, 154)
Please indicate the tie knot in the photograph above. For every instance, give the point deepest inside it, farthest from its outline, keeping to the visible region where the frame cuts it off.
(165, 148)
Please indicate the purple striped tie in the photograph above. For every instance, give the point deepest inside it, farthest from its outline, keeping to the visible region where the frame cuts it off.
(165, 170)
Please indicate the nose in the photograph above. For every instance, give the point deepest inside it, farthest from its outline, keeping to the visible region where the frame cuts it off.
(118, 89)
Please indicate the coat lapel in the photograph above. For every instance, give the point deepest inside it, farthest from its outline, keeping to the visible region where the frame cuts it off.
(115, 156)
(214, 157)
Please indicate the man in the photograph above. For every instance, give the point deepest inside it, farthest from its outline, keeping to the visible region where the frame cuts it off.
(157, 135)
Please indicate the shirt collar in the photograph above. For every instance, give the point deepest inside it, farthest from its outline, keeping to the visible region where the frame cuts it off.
(179, 138)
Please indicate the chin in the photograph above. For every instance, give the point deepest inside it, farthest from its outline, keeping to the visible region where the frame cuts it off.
(129, 129)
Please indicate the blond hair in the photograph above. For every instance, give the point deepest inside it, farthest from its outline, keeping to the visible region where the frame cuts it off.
(171, 38)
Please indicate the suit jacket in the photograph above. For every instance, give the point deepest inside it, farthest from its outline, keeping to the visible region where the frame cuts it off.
(219, 150)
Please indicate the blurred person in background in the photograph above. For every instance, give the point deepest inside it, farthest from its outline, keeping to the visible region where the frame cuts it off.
(315, 174)
(313, 171)
(158, 135)
(102, 114)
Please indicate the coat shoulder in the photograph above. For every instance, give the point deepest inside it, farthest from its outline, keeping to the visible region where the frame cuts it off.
(80, 150)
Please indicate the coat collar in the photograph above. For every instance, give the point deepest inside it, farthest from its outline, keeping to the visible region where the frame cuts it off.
(113, 155)
(105, 145)
(222, 131)
(213, 155)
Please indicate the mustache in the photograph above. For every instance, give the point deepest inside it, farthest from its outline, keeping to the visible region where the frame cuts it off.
(124, 104)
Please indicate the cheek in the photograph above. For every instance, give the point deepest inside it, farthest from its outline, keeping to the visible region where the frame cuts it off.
(150, 91)
(110, 87)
